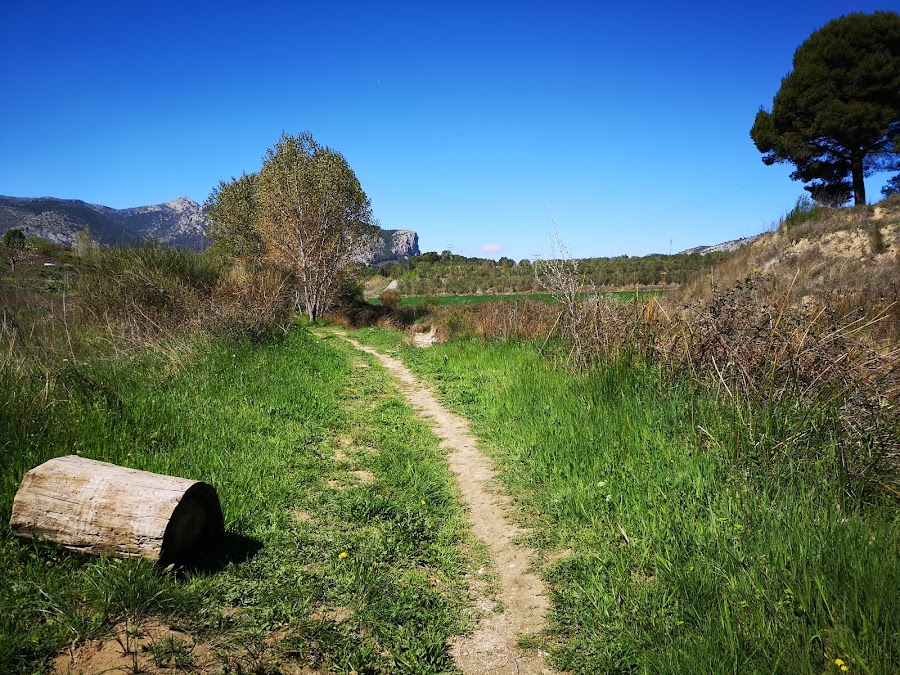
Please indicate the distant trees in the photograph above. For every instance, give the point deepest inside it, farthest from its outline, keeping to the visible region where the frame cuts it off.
(836, 116)
(14, 241)
(305, 210)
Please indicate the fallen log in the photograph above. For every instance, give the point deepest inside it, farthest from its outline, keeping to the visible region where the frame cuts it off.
(99, 508)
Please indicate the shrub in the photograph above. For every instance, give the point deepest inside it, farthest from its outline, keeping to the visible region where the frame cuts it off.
(390, 300)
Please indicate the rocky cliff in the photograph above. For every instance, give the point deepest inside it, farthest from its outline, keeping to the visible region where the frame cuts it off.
(180, 222)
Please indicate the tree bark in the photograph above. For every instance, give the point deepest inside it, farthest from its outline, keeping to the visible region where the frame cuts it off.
(859, 183)
(95, 507)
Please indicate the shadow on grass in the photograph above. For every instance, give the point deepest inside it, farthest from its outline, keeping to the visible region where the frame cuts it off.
(232, 548)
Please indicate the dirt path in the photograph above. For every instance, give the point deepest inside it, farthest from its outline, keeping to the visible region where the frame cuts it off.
(492, 648)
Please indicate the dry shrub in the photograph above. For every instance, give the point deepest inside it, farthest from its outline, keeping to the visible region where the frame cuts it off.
(251, 301)
(804, 380)
(359, 314)
(519, 320)
(842, 258)
(149, 294)
(798, 374)
(390, 300)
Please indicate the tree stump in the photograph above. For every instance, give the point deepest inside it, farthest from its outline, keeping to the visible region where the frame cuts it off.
(99, 508)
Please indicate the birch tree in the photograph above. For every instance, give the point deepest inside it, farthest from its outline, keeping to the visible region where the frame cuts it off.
(313, 217)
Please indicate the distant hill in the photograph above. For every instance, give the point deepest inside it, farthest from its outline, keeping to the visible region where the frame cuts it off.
(180, 222)
(845, 259)
(724, 247)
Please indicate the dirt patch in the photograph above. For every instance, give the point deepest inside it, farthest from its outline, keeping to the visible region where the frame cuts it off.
(493, 648)
(424, 339)
(299, 516)
(145, 648)
(155, 648)
(362, 476)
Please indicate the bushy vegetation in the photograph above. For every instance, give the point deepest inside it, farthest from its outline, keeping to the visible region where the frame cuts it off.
(450, 274)
(156, 291)
(845, 260)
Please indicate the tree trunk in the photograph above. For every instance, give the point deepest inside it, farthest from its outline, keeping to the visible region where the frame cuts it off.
(100, 508)
(859, 183)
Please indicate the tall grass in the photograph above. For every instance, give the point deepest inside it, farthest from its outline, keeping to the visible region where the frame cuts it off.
(320, 568)
(152, 291)
(664, 554)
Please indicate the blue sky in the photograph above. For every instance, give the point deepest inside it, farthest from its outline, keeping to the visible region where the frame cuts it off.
(462, 120)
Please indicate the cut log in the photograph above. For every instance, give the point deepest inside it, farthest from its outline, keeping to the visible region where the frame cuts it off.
(95, 507)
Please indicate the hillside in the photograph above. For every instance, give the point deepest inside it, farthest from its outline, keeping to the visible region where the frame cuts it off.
(844, 259)
(181, 223)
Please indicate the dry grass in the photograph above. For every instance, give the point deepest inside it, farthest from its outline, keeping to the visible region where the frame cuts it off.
(847, 260)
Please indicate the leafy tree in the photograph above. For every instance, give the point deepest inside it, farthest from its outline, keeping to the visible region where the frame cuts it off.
(14, 241)
(892, 187)
(836, 117)
(313, 217)
(231, 210)
(14, 238)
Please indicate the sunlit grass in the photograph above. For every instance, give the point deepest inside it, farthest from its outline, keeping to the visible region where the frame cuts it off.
(333, 560)
(663, 554)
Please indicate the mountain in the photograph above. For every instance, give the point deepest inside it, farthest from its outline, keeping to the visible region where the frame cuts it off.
(57, 220)
(724, 247)
(396, 245)
(180, 222)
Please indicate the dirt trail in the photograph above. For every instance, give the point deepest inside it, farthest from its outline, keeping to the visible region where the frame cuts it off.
(492, 648)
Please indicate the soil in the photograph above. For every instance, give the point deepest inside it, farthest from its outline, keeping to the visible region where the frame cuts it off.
(493, 647)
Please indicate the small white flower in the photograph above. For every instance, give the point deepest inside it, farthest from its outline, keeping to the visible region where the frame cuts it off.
(602, 483)
(609, 498)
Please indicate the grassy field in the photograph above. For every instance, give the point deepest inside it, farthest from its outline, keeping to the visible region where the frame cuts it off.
(346, 548)
(664, 549)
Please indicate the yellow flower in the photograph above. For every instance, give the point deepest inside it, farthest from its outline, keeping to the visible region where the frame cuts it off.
(838, 662)
(844, 669)
(423, 502)
(343, 555)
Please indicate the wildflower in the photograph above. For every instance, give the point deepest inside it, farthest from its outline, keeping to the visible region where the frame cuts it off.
(838, 662)
(343, 555)
(844, 669)
(423, 502)
(602, 483)
(609, 498)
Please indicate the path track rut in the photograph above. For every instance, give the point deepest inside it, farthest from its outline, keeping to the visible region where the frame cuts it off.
(492, 648)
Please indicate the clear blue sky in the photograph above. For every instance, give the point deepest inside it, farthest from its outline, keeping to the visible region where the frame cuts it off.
(460, 119)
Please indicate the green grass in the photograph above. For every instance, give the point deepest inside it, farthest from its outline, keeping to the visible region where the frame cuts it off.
(279, 429)
(678, 557)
